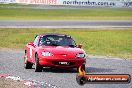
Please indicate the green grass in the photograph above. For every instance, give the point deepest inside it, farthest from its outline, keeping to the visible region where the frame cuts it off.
(65, 14)
(97, 42)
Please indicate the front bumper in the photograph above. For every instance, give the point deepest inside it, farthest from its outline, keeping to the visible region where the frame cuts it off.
(53, 61)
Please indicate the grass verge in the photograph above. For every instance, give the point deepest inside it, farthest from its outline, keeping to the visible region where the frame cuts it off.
(97, 42)
(64, 14)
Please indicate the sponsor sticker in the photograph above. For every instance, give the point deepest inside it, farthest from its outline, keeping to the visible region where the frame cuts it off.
(83, 78)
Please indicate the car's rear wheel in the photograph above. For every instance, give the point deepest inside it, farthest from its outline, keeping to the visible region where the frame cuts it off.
(27, 64)
(38, 67)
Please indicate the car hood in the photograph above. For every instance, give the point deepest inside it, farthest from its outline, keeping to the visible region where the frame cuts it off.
(62, 49)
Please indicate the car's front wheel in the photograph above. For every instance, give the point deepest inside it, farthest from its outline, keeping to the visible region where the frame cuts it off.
(38, 67)
(27, 64)
(82, 67)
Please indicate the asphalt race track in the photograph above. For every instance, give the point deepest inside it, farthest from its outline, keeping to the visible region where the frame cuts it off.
(11, 62)
(65, 24)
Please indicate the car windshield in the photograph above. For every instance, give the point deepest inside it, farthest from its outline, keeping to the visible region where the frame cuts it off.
(57, 40)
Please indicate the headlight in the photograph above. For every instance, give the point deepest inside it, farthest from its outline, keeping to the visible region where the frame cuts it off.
(46, 54)
(80, 55)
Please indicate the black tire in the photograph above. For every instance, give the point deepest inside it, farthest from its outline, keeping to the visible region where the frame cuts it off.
(38, 67)
(83, 67)
(27, 65)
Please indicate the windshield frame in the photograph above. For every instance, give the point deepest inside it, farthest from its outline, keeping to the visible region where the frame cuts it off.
(54, 44)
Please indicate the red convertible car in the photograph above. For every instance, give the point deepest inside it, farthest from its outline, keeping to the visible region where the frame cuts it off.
(54, 50)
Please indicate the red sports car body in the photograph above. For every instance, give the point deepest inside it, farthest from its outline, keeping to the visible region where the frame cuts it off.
(53, 50)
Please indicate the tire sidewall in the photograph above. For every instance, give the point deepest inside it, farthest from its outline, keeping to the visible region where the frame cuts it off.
(38, 67)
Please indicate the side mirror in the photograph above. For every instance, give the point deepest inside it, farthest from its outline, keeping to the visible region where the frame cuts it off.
(31, 43)
(79, 46)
